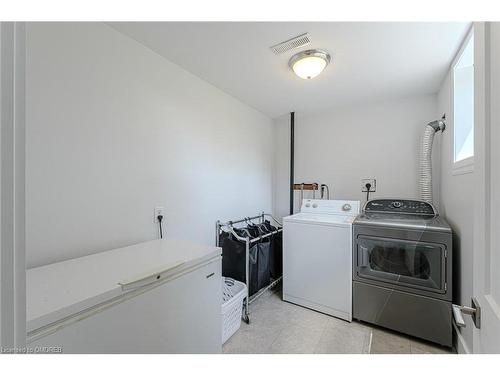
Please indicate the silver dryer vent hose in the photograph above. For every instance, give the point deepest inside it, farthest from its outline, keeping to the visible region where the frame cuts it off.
(426, 159)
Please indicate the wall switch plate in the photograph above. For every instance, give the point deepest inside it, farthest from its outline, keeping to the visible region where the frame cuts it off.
(158, 211)
(371, 181)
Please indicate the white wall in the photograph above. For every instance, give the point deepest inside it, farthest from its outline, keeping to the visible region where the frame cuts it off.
(457, 192)
(2, 285)
(340, 147)
(114, 130)
(12, 185)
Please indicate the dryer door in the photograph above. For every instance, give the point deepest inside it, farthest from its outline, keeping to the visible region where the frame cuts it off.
(406, 263)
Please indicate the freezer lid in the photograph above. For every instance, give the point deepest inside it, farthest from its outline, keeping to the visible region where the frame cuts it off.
(60, 290)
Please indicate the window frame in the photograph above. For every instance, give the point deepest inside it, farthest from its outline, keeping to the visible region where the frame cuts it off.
(465, 165)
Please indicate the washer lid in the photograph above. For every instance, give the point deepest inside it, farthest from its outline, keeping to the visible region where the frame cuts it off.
(320, 219)
(403, 221)
(59, 290)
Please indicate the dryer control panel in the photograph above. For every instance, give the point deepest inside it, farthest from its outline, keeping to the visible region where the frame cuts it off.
(402, 206)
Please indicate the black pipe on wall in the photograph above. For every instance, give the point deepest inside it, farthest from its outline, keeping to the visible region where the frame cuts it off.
(292, 149)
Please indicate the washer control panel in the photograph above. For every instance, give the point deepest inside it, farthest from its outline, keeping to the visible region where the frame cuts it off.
(405, 206)
(332, 207)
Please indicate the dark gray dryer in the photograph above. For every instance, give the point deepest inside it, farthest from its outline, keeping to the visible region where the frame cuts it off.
(402, 268)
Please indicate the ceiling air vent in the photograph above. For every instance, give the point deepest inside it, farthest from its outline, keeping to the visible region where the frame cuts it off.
(297, 42)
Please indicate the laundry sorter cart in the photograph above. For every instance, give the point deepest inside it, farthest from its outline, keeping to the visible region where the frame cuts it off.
(248, 243)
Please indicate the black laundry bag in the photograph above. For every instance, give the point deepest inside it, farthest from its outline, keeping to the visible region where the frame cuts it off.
(265, 252)
(233, 257)
(275, 246)
(276, 252)
(233, 260)
(259, 258)
(276, 266)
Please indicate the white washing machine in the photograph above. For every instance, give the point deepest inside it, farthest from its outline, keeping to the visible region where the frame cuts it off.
(317, 256)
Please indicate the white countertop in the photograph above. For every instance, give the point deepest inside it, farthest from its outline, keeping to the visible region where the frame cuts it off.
(58, 290)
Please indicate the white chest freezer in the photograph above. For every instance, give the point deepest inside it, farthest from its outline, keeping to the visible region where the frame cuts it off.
(160, 296)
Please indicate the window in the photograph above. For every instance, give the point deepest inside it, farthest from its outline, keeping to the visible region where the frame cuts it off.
(463, 106)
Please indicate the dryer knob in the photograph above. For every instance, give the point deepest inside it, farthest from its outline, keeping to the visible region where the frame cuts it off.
(315, 205)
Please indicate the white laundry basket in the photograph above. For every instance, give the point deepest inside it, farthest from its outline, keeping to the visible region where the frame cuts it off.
(233, 294)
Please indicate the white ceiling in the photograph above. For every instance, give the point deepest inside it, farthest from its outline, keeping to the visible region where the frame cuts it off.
(370, 61)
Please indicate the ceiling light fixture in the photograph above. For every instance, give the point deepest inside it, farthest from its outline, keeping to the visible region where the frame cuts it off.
(308, 64)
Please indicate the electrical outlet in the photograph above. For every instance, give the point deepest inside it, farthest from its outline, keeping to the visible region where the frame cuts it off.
(158, 211)
(371, 181)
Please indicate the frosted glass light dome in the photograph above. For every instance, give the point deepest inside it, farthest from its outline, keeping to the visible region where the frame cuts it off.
(309, 64)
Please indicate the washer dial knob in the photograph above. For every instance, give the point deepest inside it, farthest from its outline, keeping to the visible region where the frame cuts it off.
(396, 204)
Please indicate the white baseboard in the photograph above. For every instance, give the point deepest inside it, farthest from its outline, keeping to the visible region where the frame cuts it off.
(461, 346)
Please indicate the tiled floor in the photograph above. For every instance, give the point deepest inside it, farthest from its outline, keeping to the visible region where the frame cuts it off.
(281, 327)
